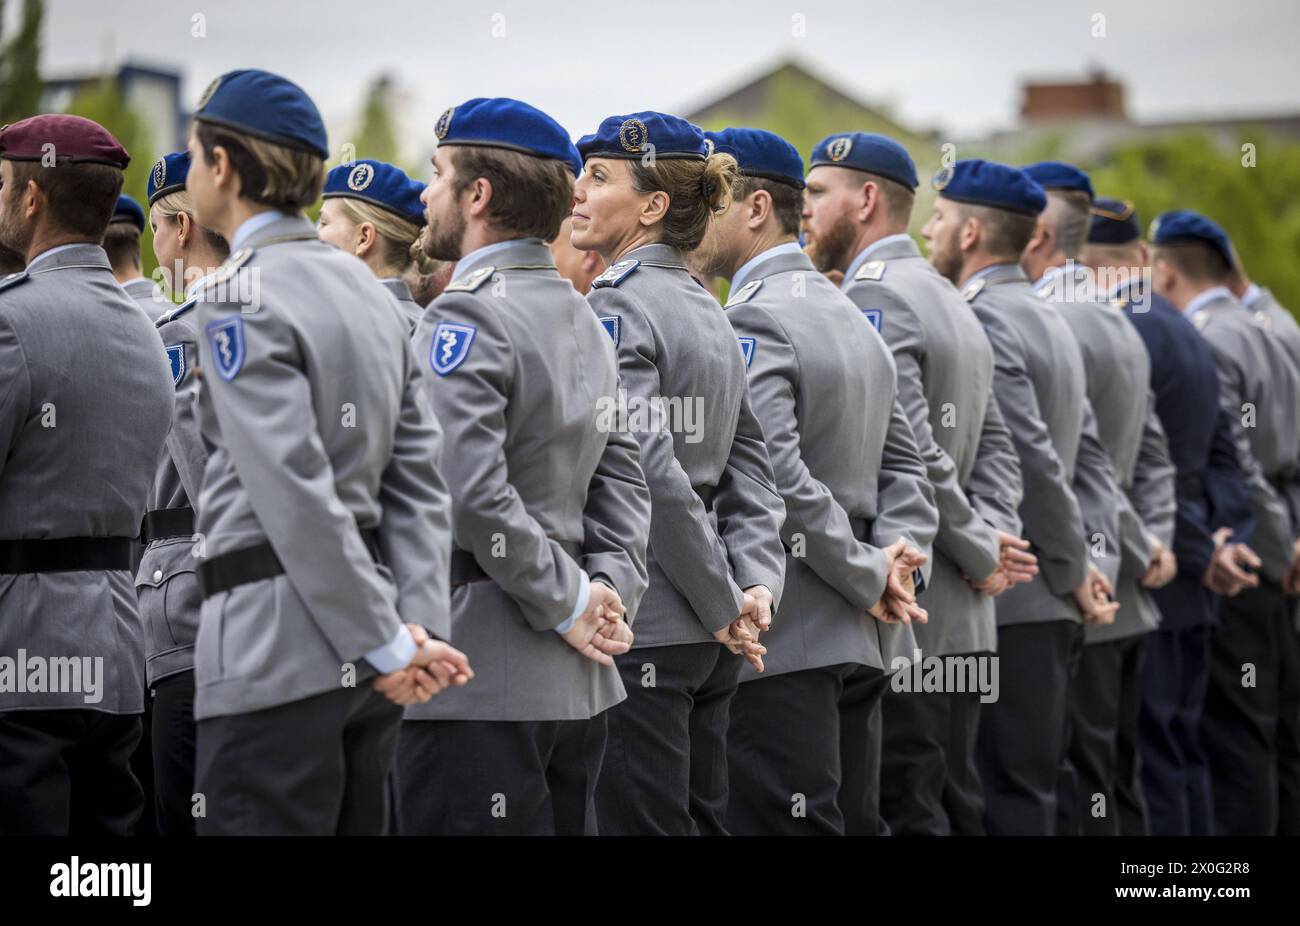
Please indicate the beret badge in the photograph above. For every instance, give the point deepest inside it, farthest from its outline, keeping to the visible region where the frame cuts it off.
(632, 135)
(360, 176)
(159, 173)
(941, 178)
(444, 123)
(207, 94)
(839, 149)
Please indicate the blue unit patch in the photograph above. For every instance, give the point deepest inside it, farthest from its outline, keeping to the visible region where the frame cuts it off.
(874, 316)
(614, 325)
(747, 349)
(176, 357)
(450, 346)
(226, 335)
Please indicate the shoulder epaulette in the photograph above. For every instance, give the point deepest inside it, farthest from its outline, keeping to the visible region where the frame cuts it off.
(229, 268)
(183, 309)
(871, 270)
(744, 294)
(616, 273)
(973, 289)
(471, 281)
(12, 279)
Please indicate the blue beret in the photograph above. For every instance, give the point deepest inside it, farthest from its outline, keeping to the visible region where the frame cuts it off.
(1183, 226)
(128, 210)
(379, 184)
(264, 105)
(1057, 175)
(987, 183)
(1114, 221)
(168, 175)
(500, 122)
(635, 134)
(760, 154)
(875, 154)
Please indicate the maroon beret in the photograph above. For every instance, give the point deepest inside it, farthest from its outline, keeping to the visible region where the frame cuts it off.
(76, 140)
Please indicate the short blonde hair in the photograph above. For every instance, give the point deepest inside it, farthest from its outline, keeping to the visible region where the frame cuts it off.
(397, 236)
(173, 204)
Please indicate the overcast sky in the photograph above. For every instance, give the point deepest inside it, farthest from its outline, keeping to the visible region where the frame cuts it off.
(952, 65)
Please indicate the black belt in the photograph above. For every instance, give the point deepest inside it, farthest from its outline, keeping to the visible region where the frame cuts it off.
(1191, 485)
(165, 523)
(253, 564)
(706, 495)
(67, 554)
(465, 568)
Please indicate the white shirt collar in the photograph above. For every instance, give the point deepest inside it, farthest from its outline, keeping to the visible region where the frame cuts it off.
(253, 224)
(1202, 299)
(789, 247)
(477, 255)
(1251, 295)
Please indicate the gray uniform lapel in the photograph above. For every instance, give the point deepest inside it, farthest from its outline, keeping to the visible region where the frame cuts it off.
(402, 293)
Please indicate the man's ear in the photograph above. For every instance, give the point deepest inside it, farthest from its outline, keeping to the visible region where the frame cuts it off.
(33, 199)
(760, 207)
(1041, 239)
(970, 234)
(480, 196)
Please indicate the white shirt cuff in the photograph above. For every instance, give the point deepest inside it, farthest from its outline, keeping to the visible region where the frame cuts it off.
(396, 654)
(584, 595)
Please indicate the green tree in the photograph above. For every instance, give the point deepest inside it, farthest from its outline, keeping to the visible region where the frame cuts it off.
(20, 80)
(102, 101)
(1256, 202)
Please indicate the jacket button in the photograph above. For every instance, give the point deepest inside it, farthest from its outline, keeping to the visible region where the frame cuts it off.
(157, 575)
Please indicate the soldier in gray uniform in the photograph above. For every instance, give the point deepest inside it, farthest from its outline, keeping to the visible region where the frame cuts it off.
(809, 725)
(551, 510)
(122, 245)
(1191, 265)
(716, 562)
(373, 210)
(983, 219)
(84, 411)
(860, 197)
(1108, 684)
(1281, 324)
(166, 579)
(324, 520)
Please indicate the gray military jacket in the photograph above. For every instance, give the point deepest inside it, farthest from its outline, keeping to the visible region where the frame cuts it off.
(523, 379)
(945, 385)
(1118, 371)
(85, 405)
(1041, 390)
(1258, 384)
(1281, 325)
(402, 293)
(166, 581)
(822, 386)
(148, 297)
(313, 413)
(683, 374)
